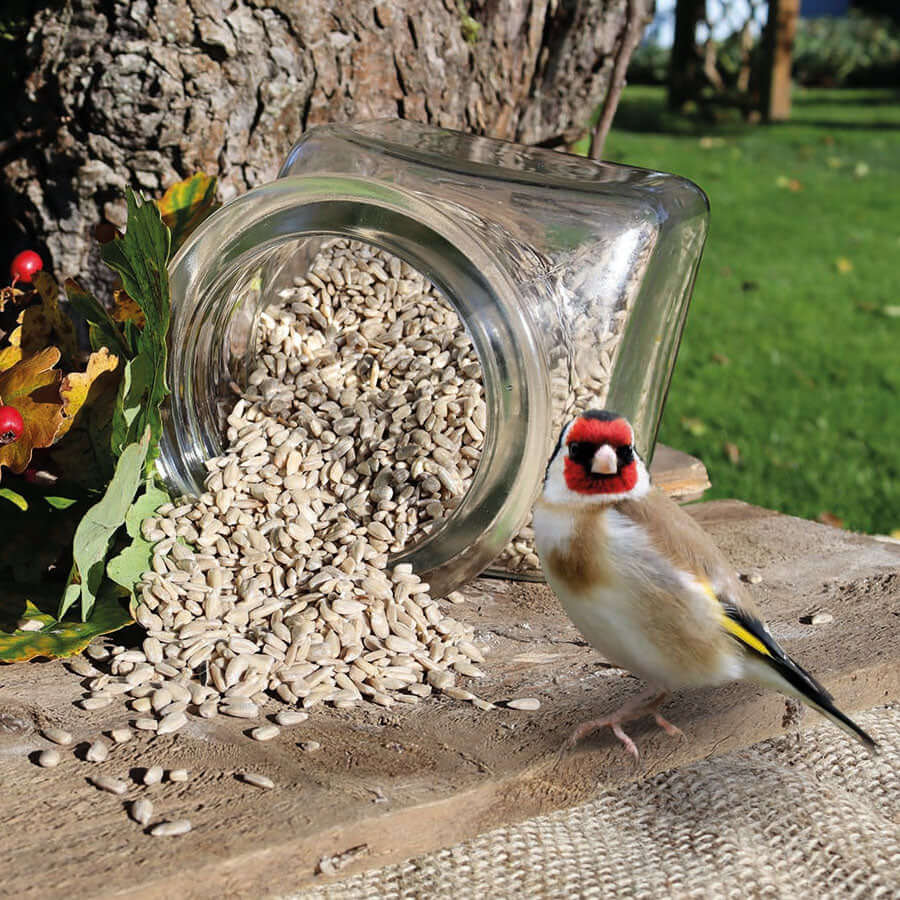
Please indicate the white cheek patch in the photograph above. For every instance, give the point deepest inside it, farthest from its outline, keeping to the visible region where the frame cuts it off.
(557, 491)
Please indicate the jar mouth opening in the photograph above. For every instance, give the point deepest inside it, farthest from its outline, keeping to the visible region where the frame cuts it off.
(219, 291)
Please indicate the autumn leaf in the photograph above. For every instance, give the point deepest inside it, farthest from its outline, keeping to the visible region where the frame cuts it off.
(186, 204)
(32, 387)
(31, 335)
(79, 389)
(829, 518)
(40, 325)
(59, 323)
(10, 294)
(54, 639)
(792, 184)
(12, 352)
(126, 309)
(733, 452)
(696, 427)
(843, 265)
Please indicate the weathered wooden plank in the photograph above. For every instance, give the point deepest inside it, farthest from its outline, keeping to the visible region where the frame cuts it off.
(401, 782)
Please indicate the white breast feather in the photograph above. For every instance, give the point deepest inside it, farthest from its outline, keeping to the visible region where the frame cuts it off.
(610, 616)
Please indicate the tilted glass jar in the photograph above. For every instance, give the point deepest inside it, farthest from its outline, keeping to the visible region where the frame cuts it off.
(572, 278)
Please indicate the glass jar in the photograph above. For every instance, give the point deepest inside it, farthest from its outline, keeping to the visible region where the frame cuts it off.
(571, 277)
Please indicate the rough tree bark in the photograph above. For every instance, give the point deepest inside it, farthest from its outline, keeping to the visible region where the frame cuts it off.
(144, 92)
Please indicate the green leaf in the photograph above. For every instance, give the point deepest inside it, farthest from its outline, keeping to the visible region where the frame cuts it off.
(60, 502)
(140, 258)
(134, 390)
(60, 639)
(98, 526)
(127, 568)
(103, 330)
(13, 497)
(70, 595)
(144, 507)
(141, 394)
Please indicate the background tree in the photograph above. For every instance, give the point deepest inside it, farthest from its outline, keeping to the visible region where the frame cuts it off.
(117, 92)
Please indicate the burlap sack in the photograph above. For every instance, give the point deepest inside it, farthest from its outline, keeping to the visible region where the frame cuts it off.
(804, 816)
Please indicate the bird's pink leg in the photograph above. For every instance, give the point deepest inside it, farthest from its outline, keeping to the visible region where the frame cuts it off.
(635, 708)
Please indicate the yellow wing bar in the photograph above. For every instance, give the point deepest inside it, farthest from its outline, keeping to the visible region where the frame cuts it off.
(735, 629)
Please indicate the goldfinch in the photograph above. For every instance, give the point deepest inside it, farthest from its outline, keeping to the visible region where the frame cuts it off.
(645, 584)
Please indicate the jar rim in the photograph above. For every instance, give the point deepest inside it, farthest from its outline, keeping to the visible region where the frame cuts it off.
(247, 232)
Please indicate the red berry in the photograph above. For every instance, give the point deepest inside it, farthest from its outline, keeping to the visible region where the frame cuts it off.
(24, 265)
(11, 424)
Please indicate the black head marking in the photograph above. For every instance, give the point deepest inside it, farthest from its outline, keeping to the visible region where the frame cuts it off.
(601, 415)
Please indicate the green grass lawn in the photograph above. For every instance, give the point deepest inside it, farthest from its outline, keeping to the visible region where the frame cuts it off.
(792, 347)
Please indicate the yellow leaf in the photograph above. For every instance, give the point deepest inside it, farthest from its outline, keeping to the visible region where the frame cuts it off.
(10, 355)
(32, 387)
(186, 204)
(9, 294)
(696, 427)
(80, 388)
(843, 265)
(32, 334)
(57, 321)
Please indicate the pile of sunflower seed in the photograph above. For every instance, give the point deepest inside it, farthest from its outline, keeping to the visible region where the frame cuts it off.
(362, 426)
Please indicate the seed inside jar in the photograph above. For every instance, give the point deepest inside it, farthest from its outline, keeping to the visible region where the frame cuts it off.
(357, 430)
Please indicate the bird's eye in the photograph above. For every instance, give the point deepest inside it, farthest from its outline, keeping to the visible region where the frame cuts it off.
(625, 455)
(580, 450)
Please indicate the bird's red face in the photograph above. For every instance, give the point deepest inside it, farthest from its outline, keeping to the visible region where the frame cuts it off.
(600, 456)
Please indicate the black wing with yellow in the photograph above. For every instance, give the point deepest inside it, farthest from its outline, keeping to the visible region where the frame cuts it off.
(754, 637)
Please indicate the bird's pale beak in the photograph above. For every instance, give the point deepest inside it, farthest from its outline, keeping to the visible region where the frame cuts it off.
(605, 461)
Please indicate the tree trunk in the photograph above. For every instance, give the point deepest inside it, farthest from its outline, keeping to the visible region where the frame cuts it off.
(145, 92)
(685, 62)
(778, 48)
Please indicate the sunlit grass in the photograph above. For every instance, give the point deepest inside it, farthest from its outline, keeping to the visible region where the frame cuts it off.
(792, 348)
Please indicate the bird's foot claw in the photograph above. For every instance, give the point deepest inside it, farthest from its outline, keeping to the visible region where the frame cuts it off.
(630, 745)
(587, 728)
(667, 726)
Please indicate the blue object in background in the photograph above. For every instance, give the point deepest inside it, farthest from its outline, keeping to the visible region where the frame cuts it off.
(810, 9)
